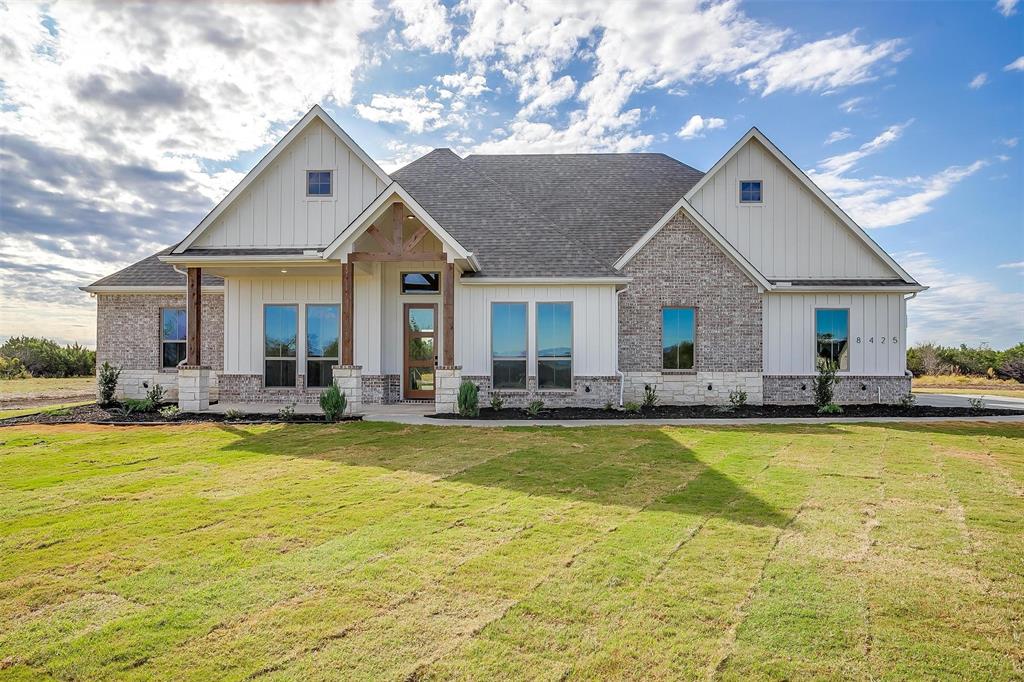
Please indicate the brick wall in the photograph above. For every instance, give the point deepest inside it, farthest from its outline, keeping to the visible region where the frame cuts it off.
(850, 389)
(588, 391)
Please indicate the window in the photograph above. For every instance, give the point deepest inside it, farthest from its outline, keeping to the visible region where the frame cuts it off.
(318, 184)
(554, 345)
(172, 336)
(678, 332)
(508, 346)
(832, 337)
(421, 282)
(750, 191)
(323, 325)
(280, 329)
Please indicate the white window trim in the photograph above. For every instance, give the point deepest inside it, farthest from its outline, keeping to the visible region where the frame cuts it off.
(490, 347)
(814, 338)
(333, 196)
(299, 333)
(305, 343)
(739, 192)
(572, 346)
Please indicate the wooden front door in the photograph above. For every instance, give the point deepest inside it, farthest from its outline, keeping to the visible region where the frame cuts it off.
(420, 322)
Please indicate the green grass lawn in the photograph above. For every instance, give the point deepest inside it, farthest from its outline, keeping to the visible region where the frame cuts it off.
(376, 551)
(46, 388)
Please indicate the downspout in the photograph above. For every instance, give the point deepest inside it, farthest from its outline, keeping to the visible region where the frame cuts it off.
(622, 377)
(912, 295)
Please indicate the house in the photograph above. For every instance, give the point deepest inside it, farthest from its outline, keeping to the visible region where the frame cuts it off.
(578, 279)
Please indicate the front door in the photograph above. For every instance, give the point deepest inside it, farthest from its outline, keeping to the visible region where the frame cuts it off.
(420, 350)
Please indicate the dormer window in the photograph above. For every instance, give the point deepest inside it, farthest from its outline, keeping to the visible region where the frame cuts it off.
(318, 184)
(750, 192)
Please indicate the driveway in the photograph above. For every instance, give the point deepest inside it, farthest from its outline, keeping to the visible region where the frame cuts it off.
(963, 400)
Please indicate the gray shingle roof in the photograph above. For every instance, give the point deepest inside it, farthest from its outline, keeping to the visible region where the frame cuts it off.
(150, 272)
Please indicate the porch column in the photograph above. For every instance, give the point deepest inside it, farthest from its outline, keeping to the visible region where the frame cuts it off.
(193, 316)
(448, 299)
(193, 377)
(346, 314)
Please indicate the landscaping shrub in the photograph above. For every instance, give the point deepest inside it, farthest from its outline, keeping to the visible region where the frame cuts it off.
(830, 408)
(46, 358)
(825, 383)
(632, 407)
(333, 403)
(650, 396)
(232, 415)
(534, 408)
(133, 405)
(155, 395)
(169, 412)
(13, 368)
(738, 397)
(286, 413)
(107, 381)
(496, 402)
(469, 400)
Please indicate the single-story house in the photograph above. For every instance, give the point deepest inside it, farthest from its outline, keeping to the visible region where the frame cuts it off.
(576, 279)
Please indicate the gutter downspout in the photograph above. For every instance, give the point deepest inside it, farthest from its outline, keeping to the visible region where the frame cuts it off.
(622, 377)
(907, 297)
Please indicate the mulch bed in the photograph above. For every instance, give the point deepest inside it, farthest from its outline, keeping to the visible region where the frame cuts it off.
(747, 411)
(95, 414)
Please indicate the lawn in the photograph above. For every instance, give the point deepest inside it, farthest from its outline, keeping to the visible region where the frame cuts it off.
(377, 551)
(38, 387)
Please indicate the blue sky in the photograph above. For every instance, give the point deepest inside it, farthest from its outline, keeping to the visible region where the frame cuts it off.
(123, 125)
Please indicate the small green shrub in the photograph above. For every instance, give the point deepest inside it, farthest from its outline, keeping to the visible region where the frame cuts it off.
(287, 413)
(825, 383)
(497, 403)
(107, 381)
(13, 368)
(233, 415)
(333, 402)
(908, 400)
(650, 396)
(632, 407)
(140, 405)
(976, 403)
(830, 408)
(738, 397)
(155, 395)
(608, 407)
(534, 408)
(469, 400)
(169, 412)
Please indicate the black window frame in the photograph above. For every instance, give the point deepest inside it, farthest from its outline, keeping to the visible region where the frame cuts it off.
(525, 359)
(693, 341)
(294, 359)
(183, 342)
(419, 292)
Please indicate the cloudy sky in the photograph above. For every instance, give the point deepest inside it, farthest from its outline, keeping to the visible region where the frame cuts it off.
(123, 124)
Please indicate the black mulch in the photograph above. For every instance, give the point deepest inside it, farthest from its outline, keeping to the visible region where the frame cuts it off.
(95, 414)
(747, 411)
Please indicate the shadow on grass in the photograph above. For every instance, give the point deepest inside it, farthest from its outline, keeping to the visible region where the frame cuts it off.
(635, 468)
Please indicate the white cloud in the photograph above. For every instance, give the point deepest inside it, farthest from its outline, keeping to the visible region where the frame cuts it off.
(826, 64)
(960, 308)
(402, 154)
(1019, 265)
(844, 162)
(426, 24)
(418, 113)
(696, 126)
(1010, 142)
(838, 136)
(1016, 65)
(978, 81)
(464, 84)
(853, 104)
(1007, 7)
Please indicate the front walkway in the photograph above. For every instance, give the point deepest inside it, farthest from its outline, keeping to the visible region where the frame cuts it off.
(954, 399)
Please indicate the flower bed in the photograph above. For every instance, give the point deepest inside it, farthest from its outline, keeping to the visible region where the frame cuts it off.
(95, 414)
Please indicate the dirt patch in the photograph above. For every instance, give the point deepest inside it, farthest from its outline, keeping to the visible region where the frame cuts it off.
(95, 414)
(745, 412)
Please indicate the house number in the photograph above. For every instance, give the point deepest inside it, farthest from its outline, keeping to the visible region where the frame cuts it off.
(872, 339)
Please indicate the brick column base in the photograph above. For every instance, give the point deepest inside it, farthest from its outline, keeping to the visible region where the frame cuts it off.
(446, 389)
(349, 380)
(194, 388)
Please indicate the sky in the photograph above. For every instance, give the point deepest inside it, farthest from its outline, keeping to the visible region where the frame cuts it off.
(122, 124)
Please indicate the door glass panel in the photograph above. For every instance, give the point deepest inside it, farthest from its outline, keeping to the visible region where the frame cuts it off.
(421, 319)
(421, 348)
(421, 378)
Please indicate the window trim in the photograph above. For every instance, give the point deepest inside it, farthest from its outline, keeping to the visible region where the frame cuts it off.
(739, 192)
(305, 343)
(163, 340)
(299, 332)
(661, 336)
(572, 346)
(490, 346)
(320, 197)
(814, 337)
(401, 283)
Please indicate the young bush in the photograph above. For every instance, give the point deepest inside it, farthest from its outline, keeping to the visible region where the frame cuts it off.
(155, 395)
(497, 403)
(469, 400)
(169, 412)
(650, 396)
(738, 397)
(107, 381)
(825, 383)
(830, 408)
(233, 415)
(534, 408)
(632, 407)
(908, 400)
(333, 403)
(286, 413)
(140, 405)
(12, 368)
(976, 403)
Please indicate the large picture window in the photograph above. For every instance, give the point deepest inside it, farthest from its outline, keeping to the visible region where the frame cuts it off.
(323, 326)
(172, 337)
(554, 345)
(508, 346)
(832, 337)
(280, 329)
(678, 335)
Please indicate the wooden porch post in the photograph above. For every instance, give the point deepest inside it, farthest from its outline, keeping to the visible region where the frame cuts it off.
(193, 317)
(346, 313)
(448, 291)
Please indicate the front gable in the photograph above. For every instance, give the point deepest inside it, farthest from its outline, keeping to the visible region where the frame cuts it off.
(796, 231)
(270, 207)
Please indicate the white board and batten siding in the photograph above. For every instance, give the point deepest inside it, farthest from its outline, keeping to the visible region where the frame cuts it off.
(274, 210)
(878, 324)
(594, 321)
(792, 233)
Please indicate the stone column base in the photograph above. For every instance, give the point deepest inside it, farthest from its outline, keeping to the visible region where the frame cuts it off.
(194, 388)
(446, 389)
(349, 380)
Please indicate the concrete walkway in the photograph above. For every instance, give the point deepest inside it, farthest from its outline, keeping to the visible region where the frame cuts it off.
(996, 402)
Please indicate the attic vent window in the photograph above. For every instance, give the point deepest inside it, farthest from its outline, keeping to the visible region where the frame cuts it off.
(318, 183)
(750, 191)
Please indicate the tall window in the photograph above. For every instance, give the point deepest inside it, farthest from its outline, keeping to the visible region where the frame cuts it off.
(318, 183)
(172, 336)
(832, 336)
(323, 324)
(554, 345)
(508, 346)
(280, 329)
(750, 191)
(678, 327)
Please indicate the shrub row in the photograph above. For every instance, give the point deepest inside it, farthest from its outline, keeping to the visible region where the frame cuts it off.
(44, 358)
(929, 358)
